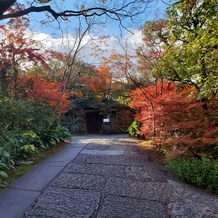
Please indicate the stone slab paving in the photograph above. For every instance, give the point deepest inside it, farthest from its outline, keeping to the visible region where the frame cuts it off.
(15, 199)
(13, 202)
(112, 178)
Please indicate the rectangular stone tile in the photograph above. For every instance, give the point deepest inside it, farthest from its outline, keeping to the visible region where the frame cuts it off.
(139, 155)
(193, 194)
(102, 152)
(113, 160)
(130, 143)
(96, 169)
(124, 147)
(13, 202)
(154, 165)
(79, 181)
(57, 202)
(37, 178)
(153, 191)
(131, 172)
(137, 173)
(159, 174)
(97, 146)
(191, 209)
(103, 142)
(81, 158)
(124, 207)
(66, 154)
(129, 140)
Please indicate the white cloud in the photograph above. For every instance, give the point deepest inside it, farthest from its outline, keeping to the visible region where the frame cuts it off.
(90, 44)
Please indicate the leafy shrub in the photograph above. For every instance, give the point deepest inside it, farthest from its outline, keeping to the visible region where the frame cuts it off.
(134, 129)
(5, 163)
(73, 123)
(55, 134)
(27, 150)
(23, 116)
(202, 173)
(22, 145)
(31, 138)
(26, 144)
(63, 133)
(25, 129)
(3, 175)
(215, 153)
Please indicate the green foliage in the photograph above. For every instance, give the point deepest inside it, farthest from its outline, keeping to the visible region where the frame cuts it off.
(63, 133)
(27, 143)
(23, 116)
(18, 146)
(25, 130)
(134, 129)
(22, 145)
(26, 150)
(202, 173)
(31, 138)
(191, 57)
(55, 134)
(22, 123)
(5, 158)
(215, 153)
(73, 123)
(3, 175)
(5, 163)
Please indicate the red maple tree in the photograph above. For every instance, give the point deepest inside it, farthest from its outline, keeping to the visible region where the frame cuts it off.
(172, 115)
(17, 53)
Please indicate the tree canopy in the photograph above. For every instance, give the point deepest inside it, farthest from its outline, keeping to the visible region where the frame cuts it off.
(179, 56)
(191, 58)
(156, 38)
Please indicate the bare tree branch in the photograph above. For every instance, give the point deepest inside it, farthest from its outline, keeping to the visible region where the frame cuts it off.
(126, 9)
(5, 4)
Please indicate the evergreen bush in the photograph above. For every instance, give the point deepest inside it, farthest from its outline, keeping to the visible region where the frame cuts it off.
(200, 172)
(134, 129)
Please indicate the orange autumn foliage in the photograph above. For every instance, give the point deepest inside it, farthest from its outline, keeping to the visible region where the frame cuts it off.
(172, 115)
(101, 84)
(47, 92)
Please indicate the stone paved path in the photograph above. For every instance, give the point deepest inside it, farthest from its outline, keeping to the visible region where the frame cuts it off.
(112, 178)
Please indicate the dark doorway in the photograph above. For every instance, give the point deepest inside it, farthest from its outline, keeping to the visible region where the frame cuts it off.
(94, 122)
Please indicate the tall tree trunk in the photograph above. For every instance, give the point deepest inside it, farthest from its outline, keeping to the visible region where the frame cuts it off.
(3, 83)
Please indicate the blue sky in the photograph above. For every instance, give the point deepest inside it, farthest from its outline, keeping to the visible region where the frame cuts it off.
(63, 38)
(111, 28)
